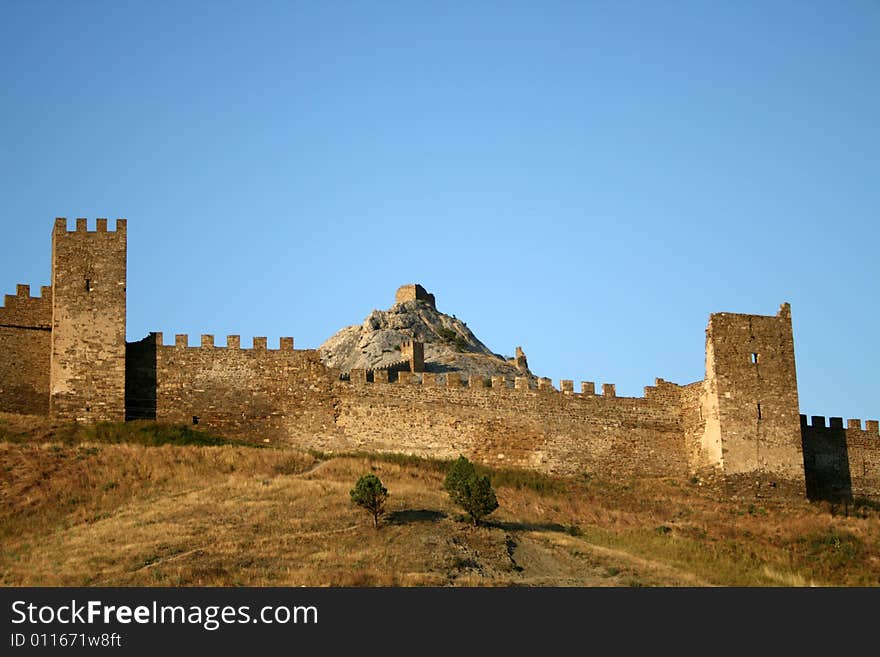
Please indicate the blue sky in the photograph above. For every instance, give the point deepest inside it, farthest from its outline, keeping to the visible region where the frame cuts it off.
(589, 180)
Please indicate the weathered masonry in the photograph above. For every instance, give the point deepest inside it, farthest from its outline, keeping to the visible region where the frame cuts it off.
(64, 354)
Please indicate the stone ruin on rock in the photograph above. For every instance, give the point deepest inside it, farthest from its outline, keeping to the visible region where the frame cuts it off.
(64, 354)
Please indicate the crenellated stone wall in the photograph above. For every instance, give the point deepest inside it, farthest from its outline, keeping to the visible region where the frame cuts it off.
(25, 343)
(539, 428)
(255, 394)
(64, 354)
(841, 461)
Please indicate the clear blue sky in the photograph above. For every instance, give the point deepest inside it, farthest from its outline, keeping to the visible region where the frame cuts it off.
(589, 180)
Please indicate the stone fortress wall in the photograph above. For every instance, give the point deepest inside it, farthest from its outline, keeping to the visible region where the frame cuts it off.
(841, 461)
(252, 393)
(25, 346)
(515, 425)
(64, 354)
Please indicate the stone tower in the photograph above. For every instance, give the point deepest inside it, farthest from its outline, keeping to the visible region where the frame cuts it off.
(87, 368)
(414, 352)
(414, 292)
(752, 427)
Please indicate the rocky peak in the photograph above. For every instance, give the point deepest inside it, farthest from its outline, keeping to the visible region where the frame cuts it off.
(450, 346)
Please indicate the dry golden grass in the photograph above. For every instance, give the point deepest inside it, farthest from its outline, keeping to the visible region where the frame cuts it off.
(109, 514)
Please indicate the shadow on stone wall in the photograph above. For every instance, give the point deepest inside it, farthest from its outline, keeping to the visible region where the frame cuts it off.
(24, 399)
(826, 464)
(140, 379)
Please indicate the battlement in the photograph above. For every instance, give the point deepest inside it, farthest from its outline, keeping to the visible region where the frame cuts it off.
(233, 342)
(784, 312)
(23, 295)
(662, 389)
(817, 422)
(26, 311)
(841, 459)
(393, 375)
(25, 337)
(81, 226)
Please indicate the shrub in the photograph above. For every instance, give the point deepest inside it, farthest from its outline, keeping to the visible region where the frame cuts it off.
(460, 471)
(470, 491)
(446, 334)
(369, 494)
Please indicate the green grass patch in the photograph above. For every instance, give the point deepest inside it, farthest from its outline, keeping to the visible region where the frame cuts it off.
(295, 464)
(824, 556)
(538, 482)
(8, 435)
(500, 477)
(724, 563)
(404, 460)
(834, 551)
(150, 434)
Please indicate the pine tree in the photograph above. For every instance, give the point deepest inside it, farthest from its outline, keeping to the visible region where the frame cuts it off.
(470, 491)
(369, 494)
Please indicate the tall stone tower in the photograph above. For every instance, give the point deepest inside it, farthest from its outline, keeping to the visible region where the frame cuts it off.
(414, 352)
(753, 424)
(87, 370)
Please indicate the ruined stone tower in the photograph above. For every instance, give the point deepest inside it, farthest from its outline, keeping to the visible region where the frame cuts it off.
(752, 422)
(414, 292)
(414, 352)
(87, 369)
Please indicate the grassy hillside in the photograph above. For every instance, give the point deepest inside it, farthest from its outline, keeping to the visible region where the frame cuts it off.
(141, 504)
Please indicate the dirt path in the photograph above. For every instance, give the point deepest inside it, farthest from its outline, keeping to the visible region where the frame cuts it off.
(665, 570)
(546, 565)
(551, 559)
